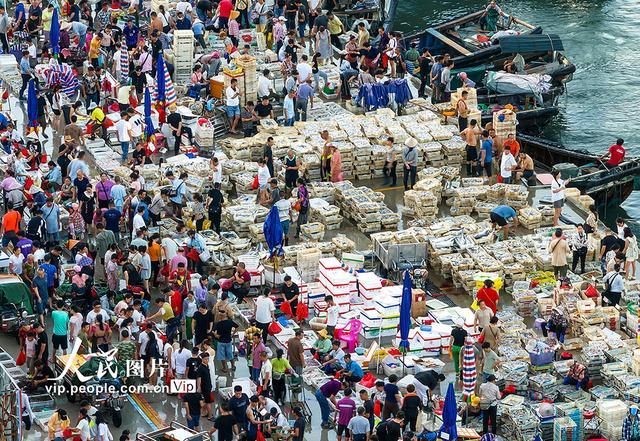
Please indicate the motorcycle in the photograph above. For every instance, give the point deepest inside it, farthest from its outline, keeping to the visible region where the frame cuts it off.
(111, 404)
(14, 318)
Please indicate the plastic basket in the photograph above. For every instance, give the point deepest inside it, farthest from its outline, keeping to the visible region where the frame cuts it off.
(541, 359)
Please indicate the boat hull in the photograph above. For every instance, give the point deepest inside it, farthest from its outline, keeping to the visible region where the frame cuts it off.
(606, 187)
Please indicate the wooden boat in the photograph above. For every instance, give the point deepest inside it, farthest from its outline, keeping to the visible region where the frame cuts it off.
(559, 68)
(458, 38)
(606, 187)
(486, 97)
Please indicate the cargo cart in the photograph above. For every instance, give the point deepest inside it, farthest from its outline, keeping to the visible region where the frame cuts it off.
(395, 258)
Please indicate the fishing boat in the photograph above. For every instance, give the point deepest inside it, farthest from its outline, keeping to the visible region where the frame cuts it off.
(476, 51)
(486, 96)
(607, 186)
(557, 66)
(464, 38)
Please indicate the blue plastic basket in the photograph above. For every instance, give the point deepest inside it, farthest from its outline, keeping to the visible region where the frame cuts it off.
(540, 359)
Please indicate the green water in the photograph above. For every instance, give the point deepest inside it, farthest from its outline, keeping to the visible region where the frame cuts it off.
(602, 39)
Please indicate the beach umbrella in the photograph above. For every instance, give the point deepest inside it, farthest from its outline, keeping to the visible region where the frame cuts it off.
(149, 130)
(32, 104)
(124, 63)
(160, 82)
(54, 33)
(171, 96)
(405, 312)
(449, 431)
(469, 374)
(272, 230)
(63, 75)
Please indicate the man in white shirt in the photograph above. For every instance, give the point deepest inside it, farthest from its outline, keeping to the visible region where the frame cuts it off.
(507, 165)
(335, 359)
(96, 311)
(233, 105)
(284, 213)
(123, 130)
(169, 248)
(269, 404)
(305, 71)
(143, 340)
(138, 222)
(185, 8)
(137, 316)
(217, 170)
(333, 311)
(137, 125)
(266, 371)
(265, 313)
(263, 173)
(265, 84)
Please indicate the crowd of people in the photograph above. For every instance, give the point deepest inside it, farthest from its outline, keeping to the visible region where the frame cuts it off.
(132, 290)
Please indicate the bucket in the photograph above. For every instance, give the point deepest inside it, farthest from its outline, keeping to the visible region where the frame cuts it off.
(216, 86)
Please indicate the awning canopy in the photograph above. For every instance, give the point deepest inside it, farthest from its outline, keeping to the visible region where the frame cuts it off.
(531, 43)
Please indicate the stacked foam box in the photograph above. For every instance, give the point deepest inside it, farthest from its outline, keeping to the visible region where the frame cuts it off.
(249, 88)
(308, 266)
(505, 127)
(337, 282)
(369, 287)
(382, 316)
(183, 55)
(612, 413)
(315, 293)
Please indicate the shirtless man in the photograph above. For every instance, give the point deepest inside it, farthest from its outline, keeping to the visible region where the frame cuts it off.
(470, 135)
(525, 167)
(462, 109)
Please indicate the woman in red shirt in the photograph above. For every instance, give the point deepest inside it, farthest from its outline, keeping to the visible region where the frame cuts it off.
(489, 295)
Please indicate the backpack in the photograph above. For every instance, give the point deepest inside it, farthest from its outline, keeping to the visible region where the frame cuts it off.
(93, 427)
(382, 431)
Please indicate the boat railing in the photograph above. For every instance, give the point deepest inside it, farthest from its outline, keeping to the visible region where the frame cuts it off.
(622, 167)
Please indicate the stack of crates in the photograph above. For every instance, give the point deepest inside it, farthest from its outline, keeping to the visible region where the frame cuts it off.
(308, 264)
(569, 410)
(504, 123)
(565, 429)
(183, 55)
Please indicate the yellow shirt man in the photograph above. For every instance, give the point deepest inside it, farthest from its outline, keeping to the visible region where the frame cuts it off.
(335, 26)
(94, 47)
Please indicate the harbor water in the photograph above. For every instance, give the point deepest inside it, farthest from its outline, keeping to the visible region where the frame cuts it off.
(600, 37)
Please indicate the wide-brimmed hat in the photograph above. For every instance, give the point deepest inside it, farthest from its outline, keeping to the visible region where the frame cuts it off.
(92, 106)
(323, 333)
(411, 142)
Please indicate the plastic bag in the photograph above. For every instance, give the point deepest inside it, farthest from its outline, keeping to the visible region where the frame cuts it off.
(274, 328)
(302, 311)
(285, 307)
(255, 184)
(377, 408)
(22, 358)
(369, 380)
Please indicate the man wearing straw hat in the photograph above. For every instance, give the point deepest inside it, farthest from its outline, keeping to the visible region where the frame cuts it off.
(410, 163)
